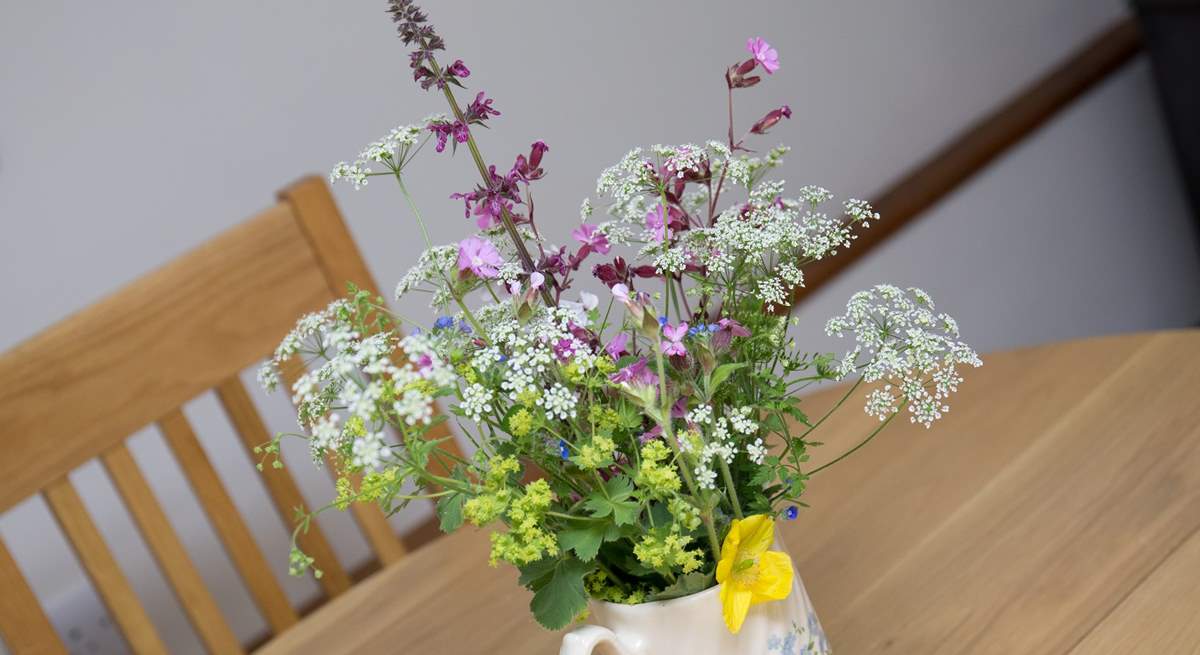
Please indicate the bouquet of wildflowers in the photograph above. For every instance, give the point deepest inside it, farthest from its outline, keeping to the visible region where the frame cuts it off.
(632, 445)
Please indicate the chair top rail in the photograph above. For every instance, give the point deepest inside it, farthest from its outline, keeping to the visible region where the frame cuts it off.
(90, 381)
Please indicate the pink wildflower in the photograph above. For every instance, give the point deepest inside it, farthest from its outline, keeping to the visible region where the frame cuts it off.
(617, 346)
(589, 236)
(673, 344)
(654, 222)
(763, 53)
(637, 372)
(478, 256)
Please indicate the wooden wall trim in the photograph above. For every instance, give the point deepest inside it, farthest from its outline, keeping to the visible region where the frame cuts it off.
(977, 146)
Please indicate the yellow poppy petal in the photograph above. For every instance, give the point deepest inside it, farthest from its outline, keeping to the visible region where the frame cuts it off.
(774, 581)
(735, 603)
(732, 540)
(756, 534)
(724, 568)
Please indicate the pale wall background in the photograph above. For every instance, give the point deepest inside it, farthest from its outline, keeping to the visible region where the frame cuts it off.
(132, 131)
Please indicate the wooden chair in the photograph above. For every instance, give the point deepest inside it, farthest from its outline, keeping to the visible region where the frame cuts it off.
(79, 389)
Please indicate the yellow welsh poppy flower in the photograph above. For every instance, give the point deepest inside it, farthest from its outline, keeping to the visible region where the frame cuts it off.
(748, 573)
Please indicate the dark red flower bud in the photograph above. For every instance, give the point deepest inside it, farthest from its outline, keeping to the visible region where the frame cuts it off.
(774, 116)
(613, 273)
(529, 169)
(736, 77)
(535, 153)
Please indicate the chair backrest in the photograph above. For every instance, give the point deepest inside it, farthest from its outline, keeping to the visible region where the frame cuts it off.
(75, 393)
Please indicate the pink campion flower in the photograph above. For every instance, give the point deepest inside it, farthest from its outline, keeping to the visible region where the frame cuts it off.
(589, 236)
(479, 256)
(621, 292)
(763, 53)
(727, 329)
(636, 373)
(617, 346)
(736, 329)
(424, 365)
(654, 222)
(673, 343)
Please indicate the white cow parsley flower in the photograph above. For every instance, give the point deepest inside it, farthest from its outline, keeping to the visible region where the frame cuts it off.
(368, 451)
(907, 345)
(558, 401)
(757, 451)
(701, 415)
(741, 421)
(476, 399)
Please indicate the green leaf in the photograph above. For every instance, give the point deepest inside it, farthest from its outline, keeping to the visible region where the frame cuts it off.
(450, 511)
(535, 575)
(774, 423)
(614, 501)
(450, 507)
(584, 539)
(586, 536)
(562, 597)
(721, 374)
(685, 585)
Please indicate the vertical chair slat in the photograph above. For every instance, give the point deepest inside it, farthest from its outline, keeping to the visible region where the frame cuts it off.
(172, 557)
(370, 517)
(284, 492)
(227, 522)
(23, 625)
(98, 561)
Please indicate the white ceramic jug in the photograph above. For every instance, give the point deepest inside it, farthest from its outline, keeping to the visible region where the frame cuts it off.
(694, 625)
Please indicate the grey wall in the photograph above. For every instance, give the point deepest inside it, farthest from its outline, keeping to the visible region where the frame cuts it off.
(132, 131)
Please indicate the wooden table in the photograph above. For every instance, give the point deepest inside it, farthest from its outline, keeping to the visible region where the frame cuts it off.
(1055, 510)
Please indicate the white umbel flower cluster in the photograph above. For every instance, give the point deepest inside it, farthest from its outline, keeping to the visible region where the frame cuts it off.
(432, 267)
(756, 451)
(701, 415)
(340, 400)
(393, 151)
(902, 341)
(476, 400)
(706, 475)
(558, 401)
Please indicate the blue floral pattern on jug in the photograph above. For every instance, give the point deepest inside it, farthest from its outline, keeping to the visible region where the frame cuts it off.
(801, 639)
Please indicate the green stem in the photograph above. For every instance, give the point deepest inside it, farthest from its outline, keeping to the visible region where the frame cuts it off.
(860, 444)
(612, 576)
(668, 436)
(832, 409)
(413, 206)
(470, 317)
(509, 226)
(733, 497)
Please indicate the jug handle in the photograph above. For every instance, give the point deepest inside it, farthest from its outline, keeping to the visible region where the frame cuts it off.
(584, 640)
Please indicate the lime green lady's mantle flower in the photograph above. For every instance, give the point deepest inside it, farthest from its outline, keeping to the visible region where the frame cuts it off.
(748, 573)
